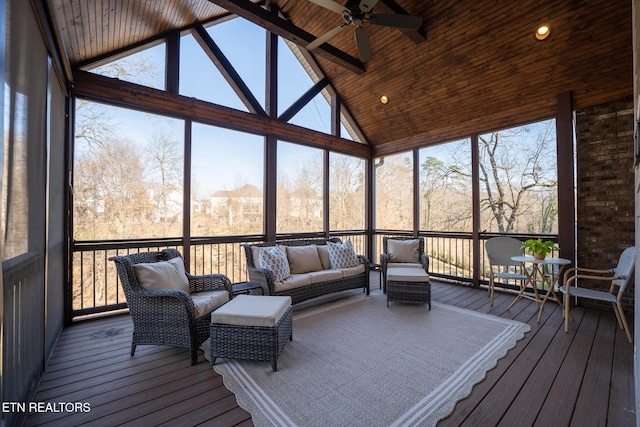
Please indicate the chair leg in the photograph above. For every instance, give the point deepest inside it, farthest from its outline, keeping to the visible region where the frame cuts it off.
(625, 325)
(194, 355)
(615, 310)
(491, 289)
(133, 349)
(566, 311)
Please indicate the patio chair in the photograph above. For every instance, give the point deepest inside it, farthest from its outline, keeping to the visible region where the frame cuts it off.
(175, 313)
(402, 252)
(618, 278)
(499, 250)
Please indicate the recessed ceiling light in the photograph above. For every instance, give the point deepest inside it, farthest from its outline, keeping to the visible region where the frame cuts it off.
(384, 99)
(543, 32)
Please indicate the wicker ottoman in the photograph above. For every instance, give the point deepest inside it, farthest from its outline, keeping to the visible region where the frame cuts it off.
(410, 285)
(252, 327)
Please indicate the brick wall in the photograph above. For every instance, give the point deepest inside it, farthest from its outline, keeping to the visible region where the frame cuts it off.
(605, 187)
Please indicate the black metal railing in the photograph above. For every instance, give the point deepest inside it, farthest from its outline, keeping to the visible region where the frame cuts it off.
(96, 288)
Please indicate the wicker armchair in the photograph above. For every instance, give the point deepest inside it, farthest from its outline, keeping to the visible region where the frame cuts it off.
(167, 316)
(387, 258)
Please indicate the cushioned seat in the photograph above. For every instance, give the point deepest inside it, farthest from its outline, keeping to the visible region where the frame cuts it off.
(252, 310)
(402, 252)
(410, 285)
(252, 327)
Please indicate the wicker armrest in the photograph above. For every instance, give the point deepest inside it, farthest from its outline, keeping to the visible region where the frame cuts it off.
(164, 301)
(384, 259)
(424, 259)
(209, 282)
(364, 260)
(263, 277)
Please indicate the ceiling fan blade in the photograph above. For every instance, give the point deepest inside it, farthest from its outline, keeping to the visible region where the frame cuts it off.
(326, 36)
(367, 5)
(363, 45)
(404, 22)
(331, 5)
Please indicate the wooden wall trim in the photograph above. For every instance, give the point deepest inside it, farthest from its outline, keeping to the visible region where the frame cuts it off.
(130, 95)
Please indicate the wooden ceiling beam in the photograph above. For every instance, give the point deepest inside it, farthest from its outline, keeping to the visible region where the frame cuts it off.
(130, 95)
(391, 6)
(227, 70)
(285, 29)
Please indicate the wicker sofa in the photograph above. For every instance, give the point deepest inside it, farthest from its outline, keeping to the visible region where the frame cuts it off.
(309, 278)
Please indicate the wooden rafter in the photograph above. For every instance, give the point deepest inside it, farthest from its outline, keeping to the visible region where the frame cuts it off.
(303, 100)
(228, 71)
(285, 29)
(391, 6)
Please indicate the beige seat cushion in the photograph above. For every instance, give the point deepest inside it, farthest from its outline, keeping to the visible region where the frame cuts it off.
(325, 276)
(403, 250)
(293, 281)
(352, 271)
(404, 265)
(162, 275)
(206, 302)
(303, 259)
(252, 310)
(407, 275)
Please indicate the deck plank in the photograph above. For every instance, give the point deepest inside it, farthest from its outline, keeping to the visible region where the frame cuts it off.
(548, 378)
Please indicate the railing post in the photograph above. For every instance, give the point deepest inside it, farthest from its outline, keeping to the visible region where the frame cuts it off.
(475, 173)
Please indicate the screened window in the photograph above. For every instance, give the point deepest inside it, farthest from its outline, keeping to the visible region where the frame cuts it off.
(227, 194)
(394, 192)
(346, 192)
(446, 187)
(300, 190)
(518, 179)
(128, 172)
(145, 67)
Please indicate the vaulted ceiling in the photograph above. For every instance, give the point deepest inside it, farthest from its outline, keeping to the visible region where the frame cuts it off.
(474, 66)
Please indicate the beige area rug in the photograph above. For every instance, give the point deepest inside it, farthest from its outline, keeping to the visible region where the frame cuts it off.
(356, 362)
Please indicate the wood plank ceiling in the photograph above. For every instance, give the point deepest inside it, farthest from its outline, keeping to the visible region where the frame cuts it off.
(479, 69)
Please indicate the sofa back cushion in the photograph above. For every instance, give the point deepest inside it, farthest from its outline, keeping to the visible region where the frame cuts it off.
(275, 260)
(323, 252)
(342, 255)
(303, 259)
(403, 250)
(162, 275)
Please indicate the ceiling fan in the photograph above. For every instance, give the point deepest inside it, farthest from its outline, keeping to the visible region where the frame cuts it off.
(356, 12)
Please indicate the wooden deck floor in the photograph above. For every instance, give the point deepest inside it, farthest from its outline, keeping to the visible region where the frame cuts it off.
(581, 378)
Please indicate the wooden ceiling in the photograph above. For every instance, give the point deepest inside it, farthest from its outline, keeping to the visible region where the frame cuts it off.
(480, 67)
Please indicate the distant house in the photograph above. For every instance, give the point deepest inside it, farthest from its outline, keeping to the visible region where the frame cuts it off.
(241, 205)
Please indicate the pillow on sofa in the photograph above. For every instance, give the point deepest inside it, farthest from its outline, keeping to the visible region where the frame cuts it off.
(162, 275)
(323, 253)
(303, 259)
(403, 250)
(342, 255)
(275, 260)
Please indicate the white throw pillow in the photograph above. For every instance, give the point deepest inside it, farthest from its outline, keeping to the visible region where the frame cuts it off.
(275, 260)
(342, 255)
(162, 275)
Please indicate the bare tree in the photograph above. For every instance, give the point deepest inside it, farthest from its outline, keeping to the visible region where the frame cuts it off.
(164, 160)
(511, 168)
(346, 193)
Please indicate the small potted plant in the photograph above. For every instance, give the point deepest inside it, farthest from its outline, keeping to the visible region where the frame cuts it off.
(539, 248)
